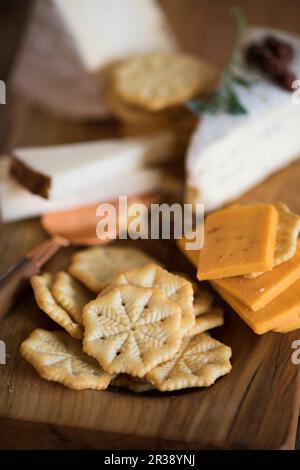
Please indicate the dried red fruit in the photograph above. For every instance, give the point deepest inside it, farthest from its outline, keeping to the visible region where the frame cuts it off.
(280, 49)
(272, 56)
(259, 56)
(253, 54)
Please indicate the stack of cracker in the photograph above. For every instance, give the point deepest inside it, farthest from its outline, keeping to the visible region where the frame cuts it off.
(251, 256)
(129, 323)
(149, 91)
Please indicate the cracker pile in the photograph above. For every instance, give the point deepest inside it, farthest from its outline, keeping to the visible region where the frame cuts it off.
(150, 90)
(128, 323)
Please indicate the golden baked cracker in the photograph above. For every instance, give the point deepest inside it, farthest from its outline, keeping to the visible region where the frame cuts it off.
(180, 121)
(134, 115)
(203, 302)
(174, 288)
(131, 329)
(160, 80)
(135, 384)
(195, 283)
(58, 357)
(207, 321)
(286, 238)
(287, 234)
(200, 361)
(42, 286)
(178, 118)
(71, 295)
(96, 267)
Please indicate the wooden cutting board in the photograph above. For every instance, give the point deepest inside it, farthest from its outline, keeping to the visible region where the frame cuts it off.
(256, 405)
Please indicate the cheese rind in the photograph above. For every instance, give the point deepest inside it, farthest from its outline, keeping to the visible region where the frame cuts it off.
(258, 292)
(282, 309)
(237, 241)
(17, 203)
(229, 154)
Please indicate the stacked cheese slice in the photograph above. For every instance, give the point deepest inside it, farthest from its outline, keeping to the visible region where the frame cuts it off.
(39, 180)
(251, 256)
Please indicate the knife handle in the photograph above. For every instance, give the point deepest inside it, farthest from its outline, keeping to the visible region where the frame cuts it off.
(13, 282)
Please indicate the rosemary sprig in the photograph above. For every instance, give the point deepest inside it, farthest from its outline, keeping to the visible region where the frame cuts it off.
(225, 98)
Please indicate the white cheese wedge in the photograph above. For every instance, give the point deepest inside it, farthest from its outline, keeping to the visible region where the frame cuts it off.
(69, 42)
(229, 154)
(17, 203)
(70, 167)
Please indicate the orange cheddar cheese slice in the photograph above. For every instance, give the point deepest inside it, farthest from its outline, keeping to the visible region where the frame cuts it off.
(238, 240)
(258, 292)
(282, 309)
(290, 325)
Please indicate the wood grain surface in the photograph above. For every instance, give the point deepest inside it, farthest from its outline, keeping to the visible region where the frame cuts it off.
(255, 406)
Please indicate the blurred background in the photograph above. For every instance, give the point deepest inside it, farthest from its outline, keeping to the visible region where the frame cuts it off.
(202, 26)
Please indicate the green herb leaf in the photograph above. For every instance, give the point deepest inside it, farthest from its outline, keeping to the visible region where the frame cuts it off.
(210, 105)
(241, 80)
(240, 24)
(225, 98)
(234, 106)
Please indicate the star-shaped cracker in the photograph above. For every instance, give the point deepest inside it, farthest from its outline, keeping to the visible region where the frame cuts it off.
(42, 286)
(58, 357)
(71, 295)
(173, 287)
(200, 361)
(96, 267)
(131, 329)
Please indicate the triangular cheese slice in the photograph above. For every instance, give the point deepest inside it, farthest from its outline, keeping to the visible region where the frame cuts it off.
(229, 154)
